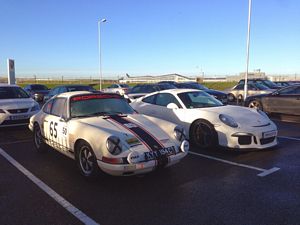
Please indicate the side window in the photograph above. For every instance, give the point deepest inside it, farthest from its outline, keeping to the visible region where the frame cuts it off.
(150, 99)
(164, 99)
(65, 110)
(58, 106)
(251, 87)
(239, 87)
(47, 107)
(114, 86)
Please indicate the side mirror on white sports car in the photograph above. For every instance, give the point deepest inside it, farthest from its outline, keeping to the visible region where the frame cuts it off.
(172, 106)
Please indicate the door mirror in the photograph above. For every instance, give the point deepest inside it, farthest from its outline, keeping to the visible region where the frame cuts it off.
(172, 106)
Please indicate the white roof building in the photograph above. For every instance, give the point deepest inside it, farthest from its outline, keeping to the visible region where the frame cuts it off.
(154, 79)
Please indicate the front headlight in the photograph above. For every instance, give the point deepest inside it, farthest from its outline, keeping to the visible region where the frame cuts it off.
(35, 108)
(179, 133)
(113, 145)
(228, 120)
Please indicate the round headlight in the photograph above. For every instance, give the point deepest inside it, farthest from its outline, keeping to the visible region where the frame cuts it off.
(228, 120)
(179, 133)
(113, 145)
(185, 146)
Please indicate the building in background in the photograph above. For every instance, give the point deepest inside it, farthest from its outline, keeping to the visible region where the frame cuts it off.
(154, 79)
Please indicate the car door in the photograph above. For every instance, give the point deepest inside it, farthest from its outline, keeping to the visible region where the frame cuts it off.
(56, 127)
(162, 111)
(285, 101)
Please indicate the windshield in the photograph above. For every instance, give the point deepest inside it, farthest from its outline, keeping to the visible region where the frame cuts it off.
(260, 86)
(12, 93)
(38, 87)
(270, 84)
(198, 99)
(166, 86)
(98, 105)
(193, 86)
(80, 88)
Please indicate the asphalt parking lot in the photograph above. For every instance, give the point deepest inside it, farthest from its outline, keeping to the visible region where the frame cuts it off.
(207, 187)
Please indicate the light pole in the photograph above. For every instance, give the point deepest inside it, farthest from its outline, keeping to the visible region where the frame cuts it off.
(248, 44)
(99, 48)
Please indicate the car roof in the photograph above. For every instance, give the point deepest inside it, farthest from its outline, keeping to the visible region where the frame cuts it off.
(8, 85)
(73, 85)
(178, 91)
(76, 93)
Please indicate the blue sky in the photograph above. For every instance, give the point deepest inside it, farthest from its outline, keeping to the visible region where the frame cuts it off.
(55, 38)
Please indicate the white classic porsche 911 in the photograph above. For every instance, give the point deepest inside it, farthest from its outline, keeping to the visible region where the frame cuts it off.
(102, 130)
(208, 122)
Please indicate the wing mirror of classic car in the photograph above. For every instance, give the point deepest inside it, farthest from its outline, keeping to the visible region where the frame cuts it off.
(172, 106)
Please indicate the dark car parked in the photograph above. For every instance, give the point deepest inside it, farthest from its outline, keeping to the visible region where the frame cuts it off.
(37, 91)
(143, 89)
(221, 96)
(265, 82)
(283, 101)
(67, 88)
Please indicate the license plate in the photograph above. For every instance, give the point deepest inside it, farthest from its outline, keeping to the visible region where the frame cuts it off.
(158, 154)
(270, 134)
(20, 117)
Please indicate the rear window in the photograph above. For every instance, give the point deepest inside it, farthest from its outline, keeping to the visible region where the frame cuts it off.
(12, 93)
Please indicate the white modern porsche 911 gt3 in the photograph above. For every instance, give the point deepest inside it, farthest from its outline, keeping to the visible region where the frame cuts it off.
(208, 122)
(102, 130)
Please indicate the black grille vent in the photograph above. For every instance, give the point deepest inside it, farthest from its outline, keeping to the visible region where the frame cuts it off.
(15, 111)
(265, 141)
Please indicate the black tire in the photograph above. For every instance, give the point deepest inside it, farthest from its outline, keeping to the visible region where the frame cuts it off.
(38, 141)
(231, 97)
(203, 134)
(255, 104)
(86, 160)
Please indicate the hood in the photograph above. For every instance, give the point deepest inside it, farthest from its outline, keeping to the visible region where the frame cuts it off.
(17, 103)
(214, 92)
(242, 115)
(110, 126)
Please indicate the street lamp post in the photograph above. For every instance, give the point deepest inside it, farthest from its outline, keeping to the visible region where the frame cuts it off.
(248, 44)
(99, 48)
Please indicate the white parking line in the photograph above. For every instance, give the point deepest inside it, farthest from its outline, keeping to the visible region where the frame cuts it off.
(263, 173)
(63, 202)
(290, 138)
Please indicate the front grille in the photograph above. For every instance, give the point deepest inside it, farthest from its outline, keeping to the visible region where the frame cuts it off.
(245, 140)
(15, 111)
(265, 141)
(14, 122)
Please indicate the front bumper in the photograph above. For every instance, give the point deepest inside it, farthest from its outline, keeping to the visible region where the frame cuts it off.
(138, 168)
(10, 120)
(248, 139)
